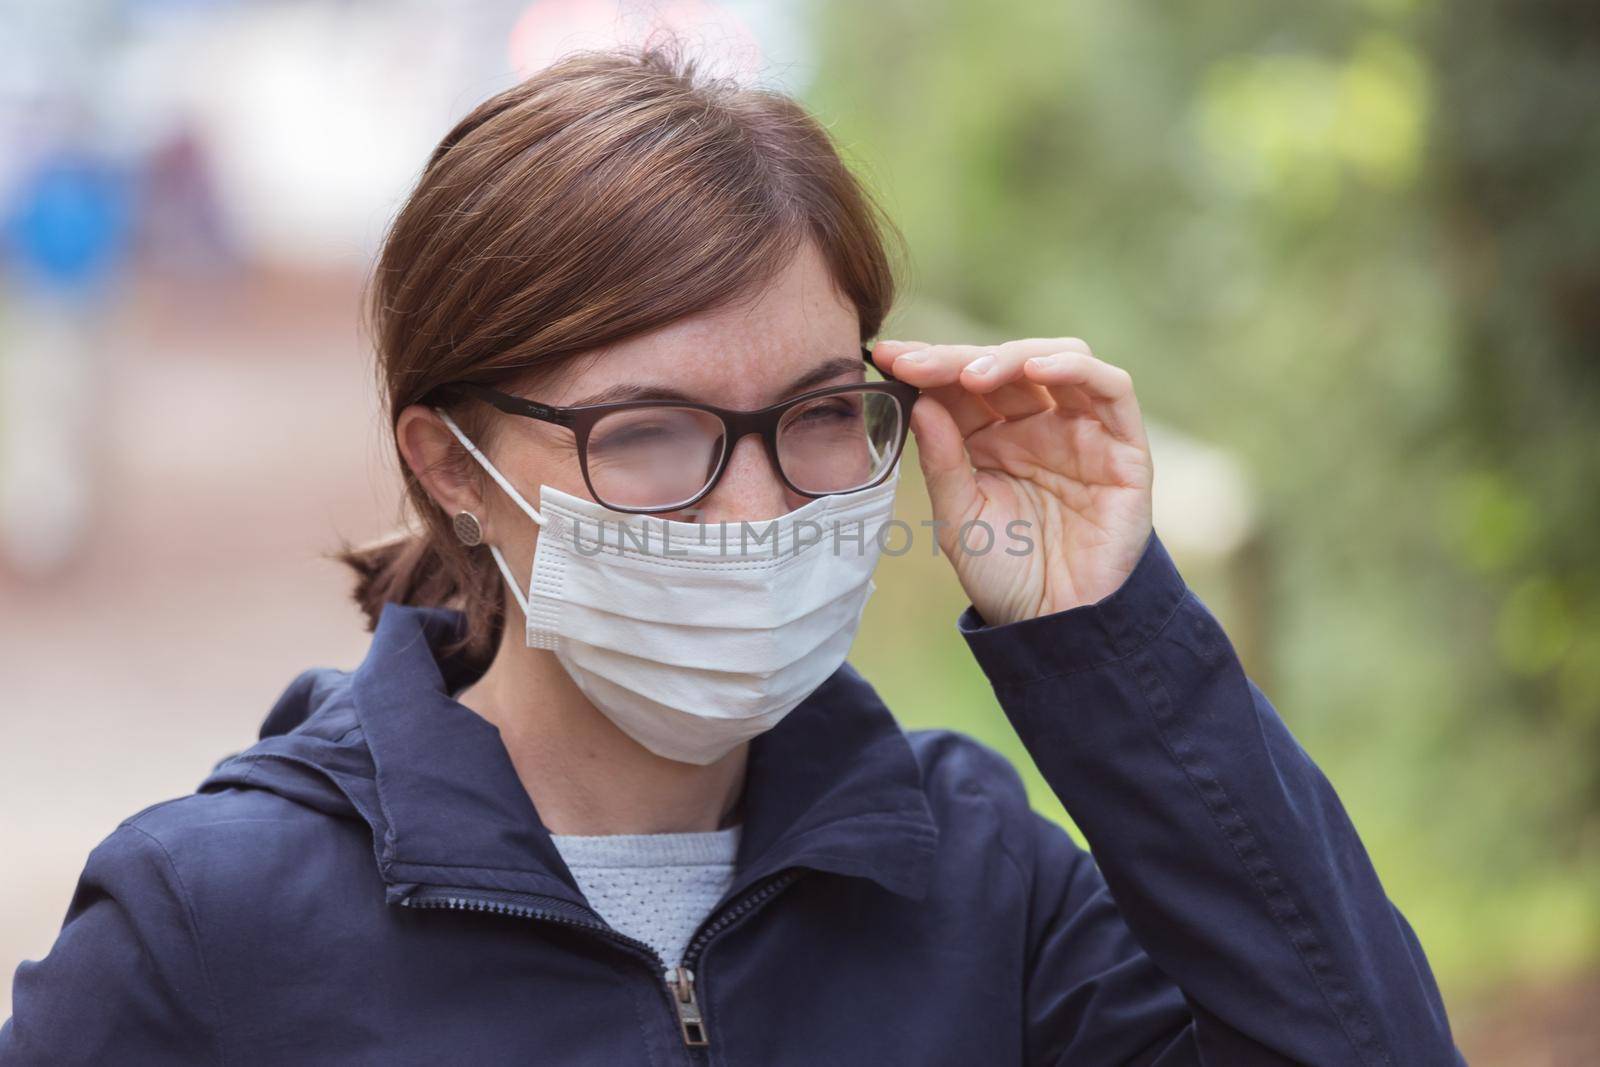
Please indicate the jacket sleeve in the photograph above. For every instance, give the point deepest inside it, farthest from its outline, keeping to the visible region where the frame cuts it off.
(124, 981)
(1217, 843)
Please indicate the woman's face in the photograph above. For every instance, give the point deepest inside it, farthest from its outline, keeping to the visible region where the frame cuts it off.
(797, 334)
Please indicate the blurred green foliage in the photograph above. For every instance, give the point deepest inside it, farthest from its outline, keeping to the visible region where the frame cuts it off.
(1358, 244)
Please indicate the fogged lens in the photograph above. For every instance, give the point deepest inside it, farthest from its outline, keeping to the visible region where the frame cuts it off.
(653, 457)
(839, 442)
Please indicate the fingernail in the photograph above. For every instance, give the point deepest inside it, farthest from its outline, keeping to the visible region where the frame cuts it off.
(981, 365)
(1043, 361)
(916, 356)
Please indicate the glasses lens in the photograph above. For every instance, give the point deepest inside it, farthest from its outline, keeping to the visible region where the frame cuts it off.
(839, 442)
(653, 457)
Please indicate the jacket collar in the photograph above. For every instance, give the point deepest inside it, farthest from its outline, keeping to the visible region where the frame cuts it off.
(834, 786)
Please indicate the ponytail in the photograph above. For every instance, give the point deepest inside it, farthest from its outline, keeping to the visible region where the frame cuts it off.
(407, 567)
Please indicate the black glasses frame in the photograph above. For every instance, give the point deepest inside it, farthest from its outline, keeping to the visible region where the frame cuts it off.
(581, 419)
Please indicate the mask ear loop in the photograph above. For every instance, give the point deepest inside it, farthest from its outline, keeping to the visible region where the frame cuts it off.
(511, 491)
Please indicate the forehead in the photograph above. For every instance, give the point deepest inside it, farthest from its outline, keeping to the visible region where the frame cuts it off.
(738, 355)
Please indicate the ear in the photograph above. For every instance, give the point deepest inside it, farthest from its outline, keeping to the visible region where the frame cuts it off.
(430, 450)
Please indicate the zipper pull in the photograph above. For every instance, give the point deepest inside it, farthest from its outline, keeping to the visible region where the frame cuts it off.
(689, 1021)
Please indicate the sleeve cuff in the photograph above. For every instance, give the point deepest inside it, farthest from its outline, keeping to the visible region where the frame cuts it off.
(1082, 637)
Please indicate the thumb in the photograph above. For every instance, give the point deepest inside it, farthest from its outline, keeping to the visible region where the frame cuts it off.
(942, 454)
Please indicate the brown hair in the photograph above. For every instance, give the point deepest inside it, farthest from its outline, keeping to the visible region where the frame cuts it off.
(607, 195)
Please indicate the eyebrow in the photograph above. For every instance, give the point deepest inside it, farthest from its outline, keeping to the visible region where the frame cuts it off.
(816, 376)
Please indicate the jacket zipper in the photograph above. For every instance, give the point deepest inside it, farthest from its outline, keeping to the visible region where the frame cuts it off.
(733, 913)
(679, 984)
(690, 1022)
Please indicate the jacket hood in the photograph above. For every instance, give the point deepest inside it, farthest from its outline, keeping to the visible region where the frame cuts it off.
(834, 786)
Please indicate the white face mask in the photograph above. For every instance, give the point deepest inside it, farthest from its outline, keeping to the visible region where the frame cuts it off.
(692, 637)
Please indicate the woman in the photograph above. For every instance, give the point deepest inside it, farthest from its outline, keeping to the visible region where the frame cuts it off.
(592, 801)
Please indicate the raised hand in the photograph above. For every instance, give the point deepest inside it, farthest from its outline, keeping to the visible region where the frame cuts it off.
(1036, 431)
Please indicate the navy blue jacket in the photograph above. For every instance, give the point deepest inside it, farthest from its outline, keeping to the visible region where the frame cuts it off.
(370, 884)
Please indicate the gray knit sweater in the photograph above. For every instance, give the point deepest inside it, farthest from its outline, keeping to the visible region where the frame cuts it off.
(654, 887)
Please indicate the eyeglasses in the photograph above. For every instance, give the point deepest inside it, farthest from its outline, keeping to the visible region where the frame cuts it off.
(647, 456)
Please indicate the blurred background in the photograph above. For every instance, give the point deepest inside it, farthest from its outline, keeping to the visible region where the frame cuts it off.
(1350, 253)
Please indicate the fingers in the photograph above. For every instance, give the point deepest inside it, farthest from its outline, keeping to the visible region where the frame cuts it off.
(997, 375)
(993, 372)
(946, 468)
(967, 408)
(978, 384)
(1079, 382)
(934, 365)
(886, 353)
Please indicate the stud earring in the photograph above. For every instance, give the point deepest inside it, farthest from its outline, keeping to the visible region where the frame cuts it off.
(469, 531)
